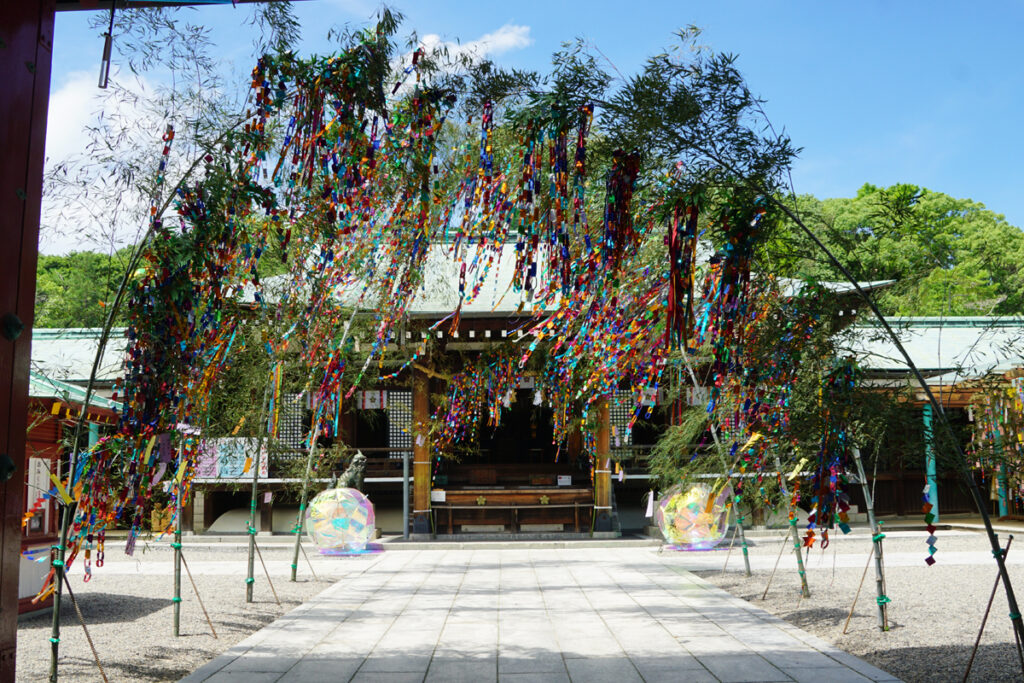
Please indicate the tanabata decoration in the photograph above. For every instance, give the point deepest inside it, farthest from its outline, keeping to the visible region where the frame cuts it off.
(695, 517)
(997, 438)
(929, 519)
(340, 519)
(748, 402)
(353, 187)
(829, 503)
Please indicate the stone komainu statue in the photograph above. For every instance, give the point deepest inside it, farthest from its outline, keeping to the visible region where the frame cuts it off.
(352, 477)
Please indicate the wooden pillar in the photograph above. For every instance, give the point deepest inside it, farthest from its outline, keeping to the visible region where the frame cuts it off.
(266, 512)
(602, 470)
(26, 32)
(186, 516)
(420, 452)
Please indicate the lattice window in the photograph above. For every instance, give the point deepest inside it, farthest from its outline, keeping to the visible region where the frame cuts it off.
(620, 410)
(289, 420)
(399, 421)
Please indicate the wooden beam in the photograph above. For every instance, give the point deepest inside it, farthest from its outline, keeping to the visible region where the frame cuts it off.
(26, 29)
(431, 373)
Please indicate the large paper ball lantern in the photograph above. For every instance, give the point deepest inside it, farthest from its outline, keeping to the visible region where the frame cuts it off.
(340, 519)
(689, 520)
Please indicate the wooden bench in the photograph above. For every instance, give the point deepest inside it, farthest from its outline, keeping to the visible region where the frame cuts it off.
(514, 507)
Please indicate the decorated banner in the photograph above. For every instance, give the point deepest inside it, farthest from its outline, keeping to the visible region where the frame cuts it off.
(229, 458)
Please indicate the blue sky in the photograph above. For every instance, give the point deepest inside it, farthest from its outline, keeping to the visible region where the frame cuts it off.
(929, 93)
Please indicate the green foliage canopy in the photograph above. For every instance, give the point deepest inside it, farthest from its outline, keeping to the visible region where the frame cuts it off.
(949, 256)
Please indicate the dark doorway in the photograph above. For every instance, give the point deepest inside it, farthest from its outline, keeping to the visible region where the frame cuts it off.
(523, 436)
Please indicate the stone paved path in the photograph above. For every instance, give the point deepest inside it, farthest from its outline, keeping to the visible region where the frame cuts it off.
(584, 615)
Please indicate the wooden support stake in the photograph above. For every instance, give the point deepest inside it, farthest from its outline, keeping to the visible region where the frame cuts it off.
(988, 608)
(260, 555)
(771, 576)
(859, 586)
(315, 577)
(835, 553)
(728, 554)
(196, 590)
(81, 620)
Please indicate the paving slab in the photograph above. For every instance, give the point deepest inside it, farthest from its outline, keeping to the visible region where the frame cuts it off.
(522, 613)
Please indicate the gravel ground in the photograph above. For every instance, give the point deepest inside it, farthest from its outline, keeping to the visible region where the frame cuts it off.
(128, 610)
(934, 615)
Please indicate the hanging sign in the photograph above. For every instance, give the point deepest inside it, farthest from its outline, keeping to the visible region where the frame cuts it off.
(229, 458)
(372, 400)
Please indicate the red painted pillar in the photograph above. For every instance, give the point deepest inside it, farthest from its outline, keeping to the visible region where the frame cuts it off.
(26, 29)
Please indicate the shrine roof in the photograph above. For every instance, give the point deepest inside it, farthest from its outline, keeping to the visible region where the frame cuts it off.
(67, 354)
(949, 349)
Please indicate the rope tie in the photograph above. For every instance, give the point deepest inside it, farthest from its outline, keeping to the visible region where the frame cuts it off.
(176, 546)
(883, 599)
(250, 580)
(54, 640)
(175, 599)
(877, 538)
(1015, 615)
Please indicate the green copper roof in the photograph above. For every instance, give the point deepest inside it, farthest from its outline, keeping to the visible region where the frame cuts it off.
(41, 386)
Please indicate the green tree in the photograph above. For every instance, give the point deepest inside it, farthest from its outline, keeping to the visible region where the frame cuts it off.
(948, 256)
(74, 290)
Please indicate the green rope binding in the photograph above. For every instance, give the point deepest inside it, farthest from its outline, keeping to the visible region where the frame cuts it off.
(54, 640)
(877, 538)
(175, 599)
(58, 563)
(883, 599)
(250, 580)
(1015, 615)
(176, 546)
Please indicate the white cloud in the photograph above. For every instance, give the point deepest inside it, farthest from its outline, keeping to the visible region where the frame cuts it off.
(84, 206)
(71, 109)
(507, 38)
